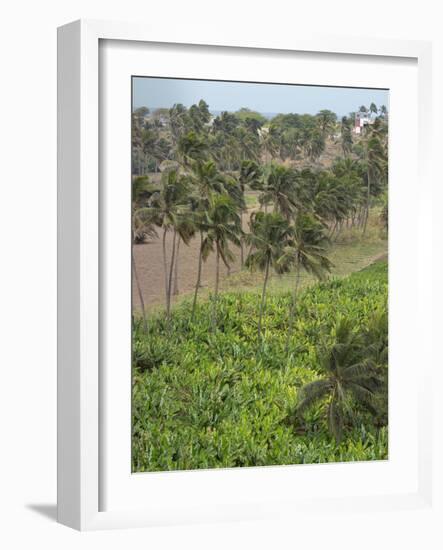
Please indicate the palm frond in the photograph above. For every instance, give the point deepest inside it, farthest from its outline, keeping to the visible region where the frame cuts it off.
(313, 392)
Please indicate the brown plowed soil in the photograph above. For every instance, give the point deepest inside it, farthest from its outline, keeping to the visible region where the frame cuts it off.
(149, 264)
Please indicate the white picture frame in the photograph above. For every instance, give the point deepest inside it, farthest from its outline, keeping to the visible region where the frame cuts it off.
(80, 411)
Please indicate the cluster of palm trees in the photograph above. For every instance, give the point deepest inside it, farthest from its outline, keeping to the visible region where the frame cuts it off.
(381, 111)
(243, 135)
(212, 162)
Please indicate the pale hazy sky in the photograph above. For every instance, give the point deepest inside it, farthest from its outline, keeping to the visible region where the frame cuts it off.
(265, 98)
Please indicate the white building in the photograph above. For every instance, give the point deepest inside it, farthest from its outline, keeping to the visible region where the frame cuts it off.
(362, 119)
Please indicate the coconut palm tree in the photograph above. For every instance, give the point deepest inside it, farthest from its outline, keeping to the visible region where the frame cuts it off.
(137, 144)
(185, 230)
(375, 162)
(337, 194)
(179, 122)
(142, 190)
(280, 185)
(149, 231)
(224, 141)
(326, 120)
(248, 143)
(314, 143)
(383, 111)
(206, 180)
(305, 251)
(142, 227)
(376, 342)
(268, 237)
(269, 140)
(349, 378)
(236, 191)
(191, 147)
(169, 209)
(199, 116)
(220, 224)
(373, 108)
(346, 136)
(155, 148)
(251, 175)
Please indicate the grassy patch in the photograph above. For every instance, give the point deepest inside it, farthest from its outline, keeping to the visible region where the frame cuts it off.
(350, 252)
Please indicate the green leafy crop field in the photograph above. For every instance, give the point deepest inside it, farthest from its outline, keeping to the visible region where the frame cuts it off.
(220, 398)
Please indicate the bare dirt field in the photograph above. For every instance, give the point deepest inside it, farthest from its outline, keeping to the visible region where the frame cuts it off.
(149, 264)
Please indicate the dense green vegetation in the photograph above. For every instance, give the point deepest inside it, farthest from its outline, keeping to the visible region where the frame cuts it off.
(233, 378)
(204, 399)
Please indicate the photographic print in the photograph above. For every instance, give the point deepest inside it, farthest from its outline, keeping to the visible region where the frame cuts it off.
(259, 274)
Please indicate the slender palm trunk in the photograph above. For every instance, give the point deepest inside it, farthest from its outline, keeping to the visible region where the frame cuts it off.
(333, 229)
(165, 266)
(242, 252)
(176, 289)
(171, 271)
(293, 306)
(199, 276)
(361, 216)
(368, 199)
(339, 228)
(217, 279)
(140, 293)
(263, 300)
(217, 273)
